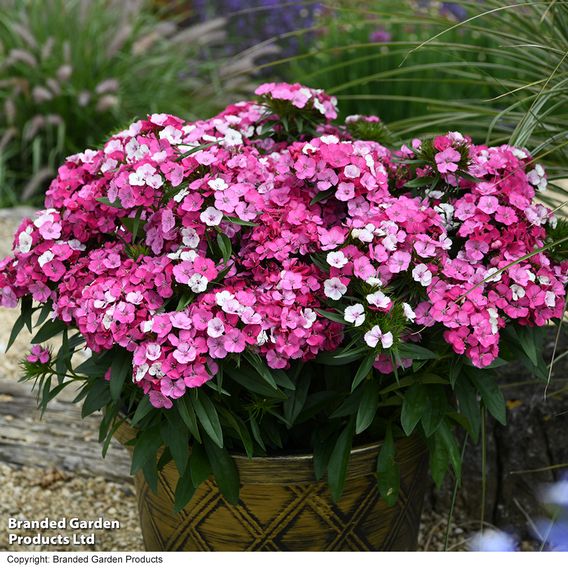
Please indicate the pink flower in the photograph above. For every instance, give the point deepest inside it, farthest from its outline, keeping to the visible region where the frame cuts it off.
(447, 160)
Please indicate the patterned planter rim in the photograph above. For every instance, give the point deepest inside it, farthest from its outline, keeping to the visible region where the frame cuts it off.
(277, 469)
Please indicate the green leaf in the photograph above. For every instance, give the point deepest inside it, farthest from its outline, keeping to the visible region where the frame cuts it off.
(208, 417)
(48, 330)
(294, 404)
(142, 410)
(363, 371)
(133, 224)
(145, 448)
(333, 316)
(413, 351)
(199, 466)
(447, 436)
(439, 459)
(339, 460)
(420, 181)
(322, 195)
(413, 407)
(106, 201)
(469, 406)
(261, 368)
(256, 433)
(18, 326)
(491, 394)
(120, 367)
(184, 492)
(253, 381)
(388, 473)
(455, 369)
(323, 446)
(436, 407)
(238, 221)
(187, 413)
(225, 246)
(341, 357)
(98, 395)
(367, 407)
(150, 471)
(174, 434)
(224, 470)
(528, 343)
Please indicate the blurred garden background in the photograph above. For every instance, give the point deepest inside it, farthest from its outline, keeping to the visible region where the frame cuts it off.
(73, 71)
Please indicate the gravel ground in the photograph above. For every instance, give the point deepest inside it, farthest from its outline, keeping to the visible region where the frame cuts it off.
(34, 493)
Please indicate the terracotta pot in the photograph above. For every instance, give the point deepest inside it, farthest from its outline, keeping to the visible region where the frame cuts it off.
(283, 508)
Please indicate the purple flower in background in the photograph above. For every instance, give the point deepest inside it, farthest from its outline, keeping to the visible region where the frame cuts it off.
(251, 22)
(380, 35)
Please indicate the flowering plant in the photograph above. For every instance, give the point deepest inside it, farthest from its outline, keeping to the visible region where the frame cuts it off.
(267, 280)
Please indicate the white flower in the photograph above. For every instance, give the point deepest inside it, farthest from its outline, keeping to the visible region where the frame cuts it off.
(178, 197)
(374, 281)
(141, 372)
(378, 299)
(218, 184)
(232, 137)
(171, 134)
(153, 351)
(24, 242)
(190, 238)
(493, 320)
(134, 298)
(146, 175)
(518, 153)
(537, 177)
(408, 312)
(329, 139)
(46, 257)
(518, 292)
(337, 259)
(215, 328)
(354, 314)
(333, 288)
(198, 283)
(211, 216)
(364, 235)
(223, 297)
(310, 316)
(351, 171)
(492, 276)
(146, 326)
(262, 338)
(374, 335)
(190, 255)
(550, 299)
(421, 274)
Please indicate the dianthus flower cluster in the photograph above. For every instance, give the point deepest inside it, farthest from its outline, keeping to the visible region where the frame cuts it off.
(188, 244)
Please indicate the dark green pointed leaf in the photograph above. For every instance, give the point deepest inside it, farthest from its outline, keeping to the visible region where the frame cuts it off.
(48, 330)
(413, 407)
(367, 407)
(145, 448)
(388, 473)
(224, 470)
(491, 394)
(339, 460)
(208, 417)
(184, 492)
(199, 466)
(120, 368)
(365, 368)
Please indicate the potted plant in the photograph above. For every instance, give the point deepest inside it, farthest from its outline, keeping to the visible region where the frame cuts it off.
(282, 318)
